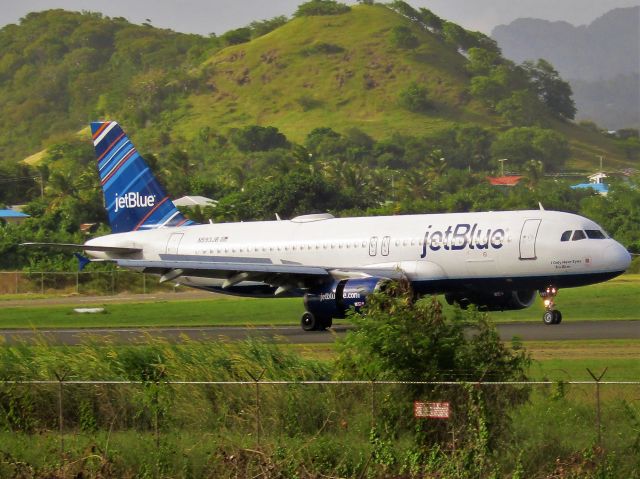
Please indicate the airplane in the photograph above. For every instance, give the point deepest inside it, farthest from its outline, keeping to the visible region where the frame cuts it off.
(497, 260)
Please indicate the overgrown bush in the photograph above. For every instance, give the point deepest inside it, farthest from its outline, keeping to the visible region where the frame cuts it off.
(400, 339)
(415, 98)
(321, 7)
(403, 37)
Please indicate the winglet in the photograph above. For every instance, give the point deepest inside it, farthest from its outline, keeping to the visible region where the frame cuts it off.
(82, 261)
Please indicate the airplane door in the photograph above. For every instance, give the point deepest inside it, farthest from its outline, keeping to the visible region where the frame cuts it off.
(384, 249)
(528, 239)
(173, 243)
(373, 246)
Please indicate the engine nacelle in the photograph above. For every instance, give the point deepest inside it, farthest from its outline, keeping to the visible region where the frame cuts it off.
(334, 299)
(496, 301)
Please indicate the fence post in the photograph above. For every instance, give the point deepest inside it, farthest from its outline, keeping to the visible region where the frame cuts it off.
(60, 412)
(16, 275)
(113, 282)
(257, 381)
(373, 402)
(156, 420)
(144, 283)
(598, 422)
(77, 282)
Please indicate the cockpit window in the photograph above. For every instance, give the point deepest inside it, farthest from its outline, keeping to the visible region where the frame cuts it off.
(566, 236)
(595, 234)
(578, 235)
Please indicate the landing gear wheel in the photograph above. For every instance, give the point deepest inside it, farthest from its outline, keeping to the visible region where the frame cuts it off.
(309, 322)
(548, 317)
(551, 315)
(326, 323)
(557, 316)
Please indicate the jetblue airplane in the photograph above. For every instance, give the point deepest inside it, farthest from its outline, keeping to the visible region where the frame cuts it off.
(495, 260)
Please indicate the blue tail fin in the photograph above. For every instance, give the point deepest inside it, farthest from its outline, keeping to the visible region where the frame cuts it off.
(133, 197)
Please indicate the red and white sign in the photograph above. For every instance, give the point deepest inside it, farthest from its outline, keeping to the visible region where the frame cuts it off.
(431, 410)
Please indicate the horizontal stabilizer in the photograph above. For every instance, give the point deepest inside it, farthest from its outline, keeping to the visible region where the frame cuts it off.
(84, 247)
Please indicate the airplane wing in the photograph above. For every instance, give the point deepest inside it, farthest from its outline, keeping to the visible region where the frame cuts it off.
(283, 275)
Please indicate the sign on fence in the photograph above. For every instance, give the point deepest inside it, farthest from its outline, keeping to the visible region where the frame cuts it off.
(431, 410)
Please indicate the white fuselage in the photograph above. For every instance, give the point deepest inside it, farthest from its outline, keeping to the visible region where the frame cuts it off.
(519, 247)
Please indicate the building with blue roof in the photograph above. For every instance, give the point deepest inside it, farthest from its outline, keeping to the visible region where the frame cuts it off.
(12, 216)
(596, 183)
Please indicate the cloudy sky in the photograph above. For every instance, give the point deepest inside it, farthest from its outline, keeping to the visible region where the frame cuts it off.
(218, 16)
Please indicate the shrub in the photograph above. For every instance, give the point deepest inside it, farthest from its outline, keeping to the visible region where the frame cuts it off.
(322, 47)
(402, 37)
(415, 98)
(321, 7)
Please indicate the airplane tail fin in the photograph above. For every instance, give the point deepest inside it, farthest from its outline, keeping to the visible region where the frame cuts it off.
(133, 197)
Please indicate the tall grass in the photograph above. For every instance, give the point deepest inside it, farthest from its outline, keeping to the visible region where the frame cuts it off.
(154, 429)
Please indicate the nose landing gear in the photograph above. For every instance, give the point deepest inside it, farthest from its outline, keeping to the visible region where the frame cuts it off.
(551, 315)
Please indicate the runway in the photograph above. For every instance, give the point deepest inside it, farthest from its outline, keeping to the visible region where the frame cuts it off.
(577, 330)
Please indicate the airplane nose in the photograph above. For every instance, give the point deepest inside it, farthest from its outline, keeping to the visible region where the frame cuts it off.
(617, 257)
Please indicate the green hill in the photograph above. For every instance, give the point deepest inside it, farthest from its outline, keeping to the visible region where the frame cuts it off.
(339, 71)
(61, 69)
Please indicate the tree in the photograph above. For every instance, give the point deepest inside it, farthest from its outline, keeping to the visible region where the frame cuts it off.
(521, 109)
(552, 90)
(431, 20)
(260, 28)
(324, 141)
(258, 138)
(237, 36)
(403, 37)
(415, 98)
(321, 7)
(482, 61)
(473, 148)
(523, 144)
(488, 89)
(397, 338)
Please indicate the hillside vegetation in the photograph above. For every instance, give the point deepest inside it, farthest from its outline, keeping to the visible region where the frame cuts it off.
(60, 70)
(363, 110)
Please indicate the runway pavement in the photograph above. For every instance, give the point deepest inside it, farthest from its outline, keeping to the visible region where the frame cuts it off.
(576, 330)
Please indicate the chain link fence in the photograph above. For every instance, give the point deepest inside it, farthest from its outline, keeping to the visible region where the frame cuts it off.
(81, 282)
(190, 416)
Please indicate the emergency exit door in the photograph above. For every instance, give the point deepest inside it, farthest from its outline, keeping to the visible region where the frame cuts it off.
(173, 243)
(528, 239)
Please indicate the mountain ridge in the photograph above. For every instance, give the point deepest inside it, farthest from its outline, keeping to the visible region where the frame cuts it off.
(596, 63)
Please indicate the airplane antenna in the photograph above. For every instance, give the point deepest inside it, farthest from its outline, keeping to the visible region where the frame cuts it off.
(278, 217)
(541, 207)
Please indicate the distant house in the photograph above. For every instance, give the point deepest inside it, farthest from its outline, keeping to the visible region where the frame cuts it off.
(511, 180)
(192, 201)
(12, 216)
(596, 183)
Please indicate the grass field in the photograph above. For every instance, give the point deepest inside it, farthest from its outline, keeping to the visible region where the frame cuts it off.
(616, 299)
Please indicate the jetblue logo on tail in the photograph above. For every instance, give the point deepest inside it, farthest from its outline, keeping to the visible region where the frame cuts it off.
(134, 200)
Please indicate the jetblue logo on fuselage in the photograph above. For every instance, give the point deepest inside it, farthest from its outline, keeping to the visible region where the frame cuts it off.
(462, 236)
(134, 200)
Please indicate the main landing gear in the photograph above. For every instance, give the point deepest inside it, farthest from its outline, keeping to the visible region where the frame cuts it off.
(310, 322)
(551, 315)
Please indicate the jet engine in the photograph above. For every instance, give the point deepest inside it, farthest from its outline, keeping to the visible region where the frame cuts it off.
(493, 301)
(333, 300)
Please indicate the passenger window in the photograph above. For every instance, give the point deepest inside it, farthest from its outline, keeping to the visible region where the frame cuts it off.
(578, 235)
(595, 234)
